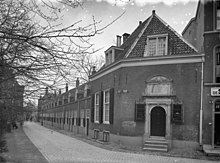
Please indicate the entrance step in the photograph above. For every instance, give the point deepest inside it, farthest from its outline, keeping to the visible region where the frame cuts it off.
(156, 145)
(210, 151)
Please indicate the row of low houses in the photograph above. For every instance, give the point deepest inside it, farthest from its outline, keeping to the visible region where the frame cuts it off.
(157, 90)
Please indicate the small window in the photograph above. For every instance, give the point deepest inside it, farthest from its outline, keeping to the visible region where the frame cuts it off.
(156, 46)
(177, 114)
(109, 57)
(140, 112)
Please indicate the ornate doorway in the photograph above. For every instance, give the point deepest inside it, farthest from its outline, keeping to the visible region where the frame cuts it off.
(158, 121)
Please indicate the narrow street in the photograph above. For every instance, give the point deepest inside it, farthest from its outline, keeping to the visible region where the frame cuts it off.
(59, 148)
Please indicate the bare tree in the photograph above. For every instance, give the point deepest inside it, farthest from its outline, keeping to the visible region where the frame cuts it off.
(37, 48)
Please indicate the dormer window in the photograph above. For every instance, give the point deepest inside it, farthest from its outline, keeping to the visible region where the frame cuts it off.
(109, 57)
(156, 45)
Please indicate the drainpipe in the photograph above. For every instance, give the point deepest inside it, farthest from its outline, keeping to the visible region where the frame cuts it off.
(201, 104)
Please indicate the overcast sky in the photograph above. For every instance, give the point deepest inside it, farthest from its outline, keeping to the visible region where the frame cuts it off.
(176, 13)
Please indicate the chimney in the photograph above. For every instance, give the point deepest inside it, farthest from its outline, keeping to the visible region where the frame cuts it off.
(93, 70)
(59, 91)
(77, 82)
(46, 92)
(118, 41)
(66, 87)
(125, 36)
(153, 12)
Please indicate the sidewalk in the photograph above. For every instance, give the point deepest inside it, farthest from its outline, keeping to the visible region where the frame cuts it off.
(20, 149)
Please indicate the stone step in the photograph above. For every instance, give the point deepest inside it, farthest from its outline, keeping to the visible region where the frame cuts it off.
(156, 142)
(155, 149)
(156, 145)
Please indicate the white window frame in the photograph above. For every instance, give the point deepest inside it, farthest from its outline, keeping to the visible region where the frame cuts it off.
(96, 108)
(75, 116)
(82, 116)
(146, 53)
(104, 106)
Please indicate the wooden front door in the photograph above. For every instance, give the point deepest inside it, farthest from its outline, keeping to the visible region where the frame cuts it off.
(158, 121)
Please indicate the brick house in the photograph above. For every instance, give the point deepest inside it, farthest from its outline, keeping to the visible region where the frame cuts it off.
(203, 31)
(148, 93)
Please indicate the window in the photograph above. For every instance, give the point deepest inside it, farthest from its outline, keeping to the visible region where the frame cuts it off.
(109, 57)
(82, 118)
(177, 113)
(106, 106)
(140, 111)
(217, 64)
(156, 46)
(97, 108)
(218, 14)
(75, 117)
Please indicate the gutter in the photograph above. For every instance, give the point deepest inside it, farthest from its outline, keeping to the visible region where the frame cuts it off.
(201, 106)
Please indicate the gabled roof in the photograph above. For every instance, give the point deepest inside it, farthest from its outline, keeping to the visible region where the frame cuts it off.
(134, 46)
(156, 26)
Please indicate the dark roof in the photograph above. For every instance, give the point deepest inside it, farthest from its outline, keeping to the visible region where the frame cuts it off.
(130, 40)
(134, 46)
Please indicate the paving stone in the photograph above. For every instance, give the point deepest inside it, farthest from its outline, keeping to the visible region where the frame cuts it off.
(60, 148)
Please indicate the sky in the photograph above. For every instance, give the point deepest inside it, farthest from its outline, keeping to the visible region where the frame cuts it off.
(176, 13)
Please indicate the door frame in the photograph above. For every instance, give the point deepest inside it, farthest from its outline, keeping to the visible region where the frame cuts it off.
(151, 120)
(165, 103)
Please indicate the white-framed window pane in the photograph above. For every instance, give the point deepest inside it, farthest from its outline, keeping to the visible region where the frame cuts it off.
(161, 46)
(106, 112)
(97, 107)
(106, 106)
(152, 46)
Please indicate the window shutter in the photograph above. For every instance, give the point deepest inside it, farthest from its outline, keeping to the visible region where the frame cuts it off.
(72, 121)
(92, 107)
(84, 122)
(101, 107)
(177, 113)
(79, 121)
(111, 107)
(140, 111)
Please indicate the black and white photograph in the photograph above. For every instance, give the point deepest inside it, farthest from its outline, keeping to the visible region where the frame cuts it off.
(109, 81)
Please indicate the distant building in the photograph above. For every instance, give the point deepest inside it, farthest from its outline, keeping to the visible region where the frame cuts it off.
(11, 96)
(69, 110)
(203, 31)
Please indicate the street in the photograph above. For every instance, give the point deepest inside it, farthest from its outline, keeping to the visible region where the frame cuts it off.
(59, 148)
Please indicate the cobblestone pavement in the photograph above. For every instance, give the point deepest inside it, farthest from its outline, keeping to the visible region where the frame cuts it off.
(59, 148)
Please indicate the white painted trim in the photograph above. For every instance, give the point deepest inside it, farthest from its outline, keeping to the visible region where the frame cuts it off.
(147, 61)
(146, 51)
(104, 109)
(96, 121)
